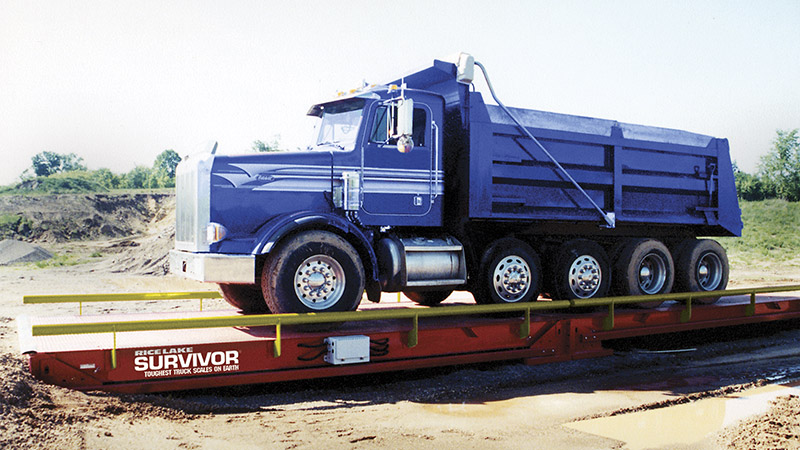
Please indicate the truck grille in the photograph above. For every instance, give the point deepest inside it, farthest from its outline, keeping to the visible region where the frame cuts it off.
(192, 210)
(186, 207)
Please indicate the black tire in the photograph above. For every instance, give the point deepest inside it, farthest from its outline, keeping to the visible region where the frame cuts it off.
(246, 297)
(510, 272)
(428, 298)
(701, 265)
(581, 271)
(643, 267)
(331, 279)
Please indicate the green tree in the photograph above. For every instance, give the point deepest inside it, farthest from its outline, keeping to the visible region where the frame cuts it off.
(106, 178)
(262, 147)
(140, 177)
(48, 163)
(779, 170)
(72, 162)
(166, 162)
(750, 187)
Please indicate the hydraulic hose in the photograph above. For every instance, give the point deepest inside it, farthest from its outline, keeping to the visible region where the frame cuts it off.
(608, 217)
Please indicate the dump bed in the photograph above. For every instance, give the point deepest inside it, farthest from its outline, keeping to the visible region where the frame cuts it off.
(645, 176)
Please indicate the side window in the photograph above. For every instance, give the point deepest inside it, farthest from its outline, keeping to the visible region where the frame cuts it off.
(379, 128)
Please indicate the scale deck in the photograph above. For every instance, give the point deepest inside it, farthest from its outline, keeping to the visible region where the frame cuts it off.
(195, 358)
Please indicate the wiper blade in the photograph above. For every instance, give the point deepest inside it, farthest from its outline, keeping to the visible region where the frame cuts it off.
(332, 144)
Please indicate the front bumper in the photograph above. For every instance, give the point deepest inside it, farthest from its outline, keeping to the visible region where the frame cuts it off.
(213, 267)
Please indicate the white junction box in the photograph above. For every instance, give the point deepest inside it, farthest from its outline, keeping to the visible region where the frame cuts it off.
(347, 349)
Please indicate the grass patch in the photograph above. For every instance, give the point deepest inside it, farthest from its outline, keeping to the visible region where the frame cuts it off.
(14, 224)
(59, 260)
(771, 234)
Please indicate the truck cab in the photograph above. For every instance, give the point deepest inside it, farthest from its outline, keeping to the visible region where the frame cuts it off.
(364, 172)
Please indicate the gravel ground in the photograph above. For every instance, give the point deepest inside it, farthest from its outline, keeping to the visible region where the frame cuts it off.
(478, 406)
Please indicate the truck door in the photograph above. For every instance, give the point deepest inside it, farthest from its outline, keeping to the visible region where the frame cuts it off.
(401, 187)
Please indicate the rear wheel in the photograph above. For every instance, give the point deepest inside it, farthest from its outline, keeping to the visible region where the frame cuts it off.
(247, 297)
(428, 298)
(313, 271)
(644, 267)
(701, 265)
(510, 272)
(581, 271)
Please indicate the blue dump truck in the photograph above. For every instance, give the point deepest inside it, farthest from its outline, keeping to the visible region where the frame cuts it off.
(418, 186)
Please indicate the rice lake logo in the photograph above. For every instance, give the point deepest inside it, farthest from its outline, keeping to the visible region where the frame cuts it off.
(165, 362)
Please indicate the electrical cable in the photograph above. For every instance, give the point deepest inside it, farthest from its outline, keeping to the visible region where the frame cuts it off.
(322, 352)
(311, 358)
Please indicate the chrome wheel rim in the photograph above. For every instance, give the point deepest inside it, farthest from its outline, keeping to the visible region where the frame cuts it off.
(585, 276)
(512, 278)
(652, 273)
(319, 282)
(709, 271)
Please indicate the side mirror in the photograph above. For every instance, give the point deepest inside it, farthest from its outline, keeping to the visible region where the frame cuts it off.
(401, 123)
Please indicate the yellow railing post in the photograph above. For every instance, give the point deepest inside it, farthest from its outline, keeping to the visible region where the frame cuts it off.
(114, 349)
(525, 327)
(276, 349)
(751, 308)
(608, 321)
(413, 334)
(686, 314)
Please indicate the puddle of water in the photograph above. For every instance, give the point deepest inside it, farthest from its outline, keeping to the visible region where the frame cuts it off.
(465, 409)
(682, 424)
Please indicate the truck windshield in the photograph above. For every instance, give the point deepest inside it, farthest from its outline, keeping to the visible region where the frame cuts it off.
(340, 123)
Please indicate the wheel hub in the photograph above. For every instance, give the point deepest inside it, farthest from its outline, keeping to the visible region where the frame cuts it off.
(709, 271)
(585, 276)
(652, 273)
(511, 278)
(319, 282)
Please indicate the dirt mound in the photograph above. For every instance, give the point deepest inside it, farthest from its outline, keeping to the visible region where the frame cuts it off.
(35, 415)
(59, 218)
(12, 252)
(148, 255)
(17, 387)
(28, 415)
(778, 428)
(135, 231)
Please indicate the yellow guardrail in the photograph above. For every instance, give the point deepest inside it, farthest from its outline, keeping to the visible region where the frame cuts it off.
(126, 297)
(279, 320)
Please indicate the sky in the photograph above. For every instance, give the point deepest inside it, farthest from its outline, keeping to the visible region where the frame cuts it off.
(119, 82)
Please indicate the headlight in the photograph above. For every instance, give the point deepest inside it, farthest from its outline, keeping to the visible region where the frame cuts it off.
(215, 232)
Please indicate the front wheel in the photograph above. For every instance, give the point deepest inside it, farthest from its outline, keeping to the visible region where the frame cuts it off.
(247, 297)
(313, 271)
